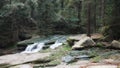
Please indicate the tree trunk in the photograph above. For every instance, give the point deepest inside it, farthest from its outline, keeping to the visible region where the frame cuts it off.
(62, 4)
(79, 12)
(102, 11)
(89, 22)
(94, 17)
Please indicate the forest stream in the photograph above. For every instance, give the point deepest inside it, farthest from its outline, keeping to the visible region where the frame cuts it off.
(59, 34)
(56, 52)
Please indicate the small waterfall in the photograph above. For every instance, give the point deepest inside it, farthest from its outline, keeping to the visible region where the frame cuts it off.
(37, 46)
(55, 45)
(58, 42)
(31, 46)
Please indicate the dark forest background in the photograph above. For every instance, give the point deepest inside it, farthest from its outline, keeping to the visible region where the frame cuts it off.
(22, 19)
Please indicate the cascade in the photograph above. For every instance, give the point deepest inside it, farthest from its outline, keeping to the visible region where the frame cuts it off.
(38, 46)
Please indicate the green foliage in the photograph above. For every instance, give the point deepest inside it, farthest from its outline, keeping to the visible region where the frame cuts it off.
(14, 20)
(57, 17)
(112, 19)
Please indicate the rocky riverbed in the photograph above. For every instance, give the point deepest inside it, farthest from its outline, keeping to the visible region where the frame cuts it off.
(65, 56)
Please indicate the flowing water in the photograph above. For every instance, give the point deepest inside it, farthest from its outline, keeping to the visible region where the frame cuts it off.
(38, 45)
(58, 42)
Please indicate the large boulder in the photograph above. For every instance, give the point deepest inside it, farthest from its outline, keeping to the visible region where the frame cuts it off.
(23, 66)
(17, 59)
(78, 37)
(115, 44)
(74, 38)
(95, 36)
(84, 42)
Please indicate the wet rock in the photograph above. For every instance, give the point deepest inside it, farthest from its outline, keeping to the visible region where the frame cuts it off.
(68, 59)
(115, 44)
(84, 42)
(77, 53)
(85, 57)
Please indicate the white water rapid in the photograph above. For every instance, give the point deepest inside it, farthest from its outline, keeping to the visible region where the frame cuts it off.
(58, 43)
(38, 46)
(33, 48)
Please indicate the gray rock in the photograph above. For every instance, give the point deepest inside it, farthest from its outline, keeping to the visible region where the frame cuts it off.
(115, 44)
(84, 42)
(68, 59)
(77, 37)
(84, 54)
(77, 53)
(16, 59)
(84, 57)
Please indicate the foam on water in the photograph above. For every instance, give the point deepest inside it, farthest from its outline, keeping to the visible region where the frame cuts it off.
(38, 46)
